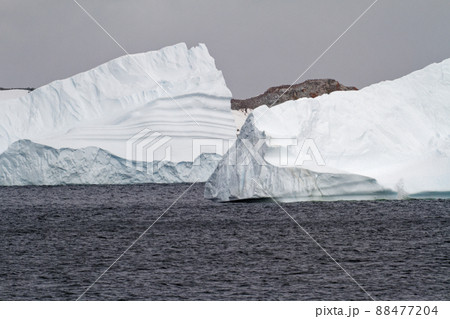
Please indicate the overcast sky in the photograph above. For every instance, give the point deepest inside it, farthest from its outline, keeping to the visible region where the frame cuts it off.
(256, 43)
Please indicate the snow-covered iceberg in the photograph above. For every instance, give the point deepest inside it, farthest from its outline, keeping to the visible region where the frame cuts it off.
(158, 102)
(391, 139)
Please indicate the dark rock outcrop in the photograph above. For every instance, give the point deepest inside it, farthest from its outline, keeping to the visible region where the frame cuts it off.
(27, 89)
(279, 94)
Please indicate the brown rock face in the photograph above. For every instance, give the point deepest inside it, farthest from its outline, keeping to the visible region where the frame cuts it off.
(274, 95)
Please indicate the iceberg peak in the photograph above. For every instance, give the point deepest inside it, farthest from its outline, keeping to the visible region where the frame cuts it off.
(373, 140)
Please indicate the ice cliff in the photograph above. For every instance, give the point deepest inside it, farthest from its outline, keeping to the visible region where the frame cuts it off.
(28, 163)
(388, 139)
(176, 93)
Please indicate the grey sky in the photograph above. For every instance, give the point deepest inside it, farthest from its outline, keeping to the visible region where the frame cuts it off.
(256, 43)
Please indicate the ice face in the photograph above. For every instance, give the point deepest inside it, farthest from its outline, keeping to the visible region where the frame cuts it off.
(176, 96)
(175, 91)
(393, 136)
(28, 163)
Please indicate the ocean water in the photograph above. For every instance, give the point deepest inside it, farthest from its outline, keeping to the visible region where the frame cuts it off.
(56, 241)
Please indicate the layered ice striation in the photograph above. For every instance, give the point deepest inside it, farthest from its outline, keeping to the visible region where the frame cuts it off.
(176, 93)
(388, 139)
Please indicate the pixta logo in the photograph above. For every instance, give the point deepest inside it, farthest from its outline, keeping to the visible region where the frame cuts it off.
(149, 150)
(282, 152)
(142, 147)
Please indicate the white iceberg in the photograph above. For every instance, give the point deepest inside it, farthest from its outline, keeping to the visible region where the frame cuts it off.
(176, 93)
(28, 163)
(388, 139)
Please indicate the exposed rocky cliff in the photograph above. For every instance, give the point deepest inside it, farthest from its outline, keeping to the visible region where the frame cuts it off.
(279, 94)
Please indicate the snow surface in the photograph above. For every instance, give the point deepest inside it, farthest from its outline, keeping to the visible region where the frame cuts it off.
(240, 116)
(107, 106)
(12, 94)
(394, 134)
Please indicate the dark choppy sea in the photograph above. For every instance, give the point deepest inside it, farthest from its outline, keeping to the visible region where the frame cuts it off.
(56, 241)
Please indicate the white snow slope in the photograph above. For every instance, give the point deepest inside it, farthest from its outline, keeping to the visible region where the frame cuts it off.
(176, 92)
(388, 139)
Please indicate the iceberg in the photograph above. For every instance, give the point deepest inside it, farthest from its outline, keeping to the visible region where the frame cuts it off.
(388, 140)
(28, 163)
(157, 102)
